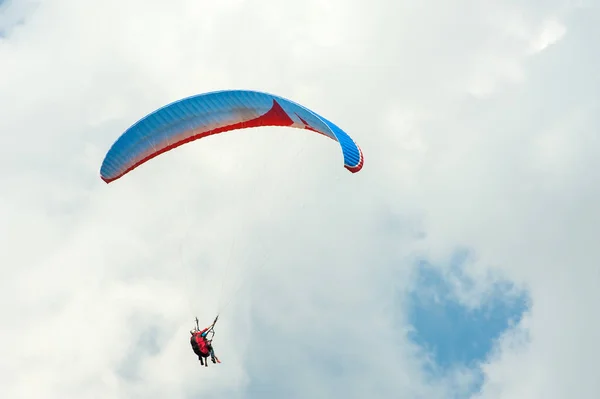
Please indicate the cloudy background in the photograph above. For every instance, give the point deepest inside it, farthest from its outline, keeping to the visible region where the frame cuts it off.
(461, 262)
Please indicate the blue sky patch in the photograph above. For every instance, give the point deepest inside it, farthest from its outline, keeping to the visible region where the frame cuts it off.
(452, 333)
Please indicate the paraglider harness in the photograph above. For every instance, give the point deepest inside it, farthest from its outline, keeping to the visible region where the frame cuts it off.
(211, 331)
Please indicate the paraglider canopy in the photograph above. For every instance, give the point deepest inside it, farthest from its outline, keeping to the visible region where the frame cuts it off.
(207, 114)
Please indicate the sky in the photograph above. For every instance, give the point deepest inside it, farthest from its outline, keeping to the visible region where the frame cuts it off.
(461, 262)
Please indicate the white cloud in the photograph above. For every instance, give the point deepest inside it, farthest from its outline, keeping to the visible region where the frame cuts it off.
(476, 132)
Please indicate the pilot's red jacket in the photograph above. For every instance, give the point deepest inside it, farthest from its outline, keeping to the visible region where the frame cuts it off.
(199, 342)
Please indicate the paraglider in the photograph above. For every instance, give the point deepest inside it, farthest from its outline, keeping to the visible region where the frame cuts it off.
(207, 114)
(201, 345)
(203, 115)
